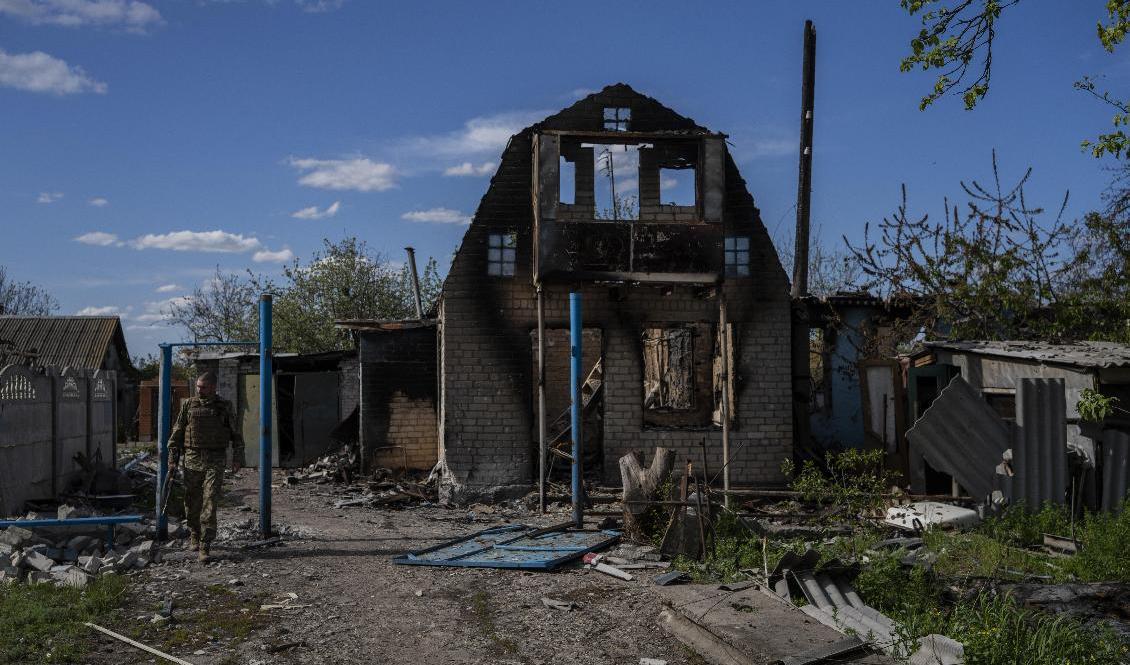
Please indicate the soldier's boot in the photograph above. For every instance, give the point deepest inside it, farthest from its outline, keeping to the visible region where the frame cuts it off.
(205, 551)
(193, 542)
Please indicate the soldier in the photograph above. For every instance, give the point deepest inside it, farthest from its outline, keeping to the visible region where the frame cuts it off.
(202, 432)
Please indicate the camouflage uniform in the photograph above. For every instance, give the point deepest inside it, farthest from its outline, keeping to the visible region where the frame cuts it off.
(202, 432)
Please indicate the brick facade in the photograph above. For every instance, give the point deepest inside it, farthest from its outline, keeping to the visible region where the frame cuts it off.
(488, 416)
(398, 397)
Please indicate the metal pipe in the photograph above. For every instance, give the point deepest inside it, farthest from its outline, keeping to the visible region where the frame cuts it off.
(542, 441)
(415, 283)
(265, 413)
(575, 382)
(723, 331)
(164, 427)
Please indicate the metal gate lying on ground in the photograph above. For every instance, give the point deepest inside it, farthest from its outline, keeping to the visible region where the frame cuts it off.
(513, 546)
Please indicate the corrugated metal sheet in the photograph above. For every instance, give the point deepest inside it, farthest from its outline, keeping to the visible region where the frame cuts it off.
(1039, 451)
(512, 546)
(1116, 468)
(63, 341)
(1077, 354)
(961, 435)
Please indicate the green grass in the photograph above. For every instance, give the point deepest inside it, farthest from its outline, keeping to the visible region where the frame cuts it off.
(44, 623)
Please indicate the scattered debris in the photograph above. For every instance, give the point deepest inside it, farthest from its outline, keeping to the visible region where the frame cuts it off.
(923, 515)
(596, 561)
(563, 605)
(284, 602)
(670, 578)
(712, 647)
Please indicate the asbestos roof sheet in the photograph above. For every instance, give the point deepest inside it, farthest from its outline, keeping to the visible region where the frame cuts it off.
(1097, 355)
(63, 341)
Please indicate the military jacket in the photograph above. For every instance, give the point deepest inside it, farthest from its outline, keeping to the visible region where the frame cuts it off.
(206, 424)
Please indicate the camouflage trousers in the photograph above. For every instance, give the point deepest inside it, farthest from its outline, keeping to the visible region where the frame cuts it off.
(203, 488)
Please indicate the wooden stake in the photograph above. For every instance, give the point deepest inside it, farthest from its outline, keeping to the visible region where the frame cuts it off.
(139, 645)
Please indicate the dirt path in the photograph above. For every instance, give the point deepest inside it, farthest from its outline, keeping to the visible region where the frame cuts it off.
(355, 606)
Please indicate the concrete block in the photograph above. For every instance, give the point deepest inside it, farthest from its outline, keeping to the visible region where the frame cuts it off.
(38, 561)
(39, 577)
(17, 536)
(127, 561)
(73, 577)
(67, 512)
(92, 564)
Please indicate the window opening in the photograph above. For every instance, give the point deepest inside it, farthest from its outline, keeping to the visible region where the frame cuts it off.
(567, 176)
(668, 363)
(616, 118)
(677, 186)
(617, 181)
(502, 254)
(737, 256)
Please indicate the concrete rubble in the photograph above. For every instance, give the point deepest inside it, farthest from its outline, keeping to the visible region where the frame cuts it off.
(62, 556)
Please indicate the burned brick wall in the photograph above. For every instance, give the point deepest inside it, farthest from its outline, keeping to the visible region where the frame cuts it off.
(488, 416)
(398, 397)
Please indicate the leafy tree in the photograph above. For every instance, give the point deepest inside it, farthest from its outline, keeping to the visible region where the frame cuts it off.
(344, 280)
(24, 298)
(957, 37)
(995, 269)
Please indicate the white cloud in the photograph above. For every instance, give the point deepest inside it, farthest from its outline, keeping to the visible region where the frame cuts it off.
(773, 148)
(360, 174)
(48, 197)
(437, 215)
(267, 256)
(469, 169)
(478, 136)
(39, 72)
(197, 241)
(108, 310)
(99, 202)
(319, 6)
(100, 238)
(167, 288)
(130, 15)
(578, 93)
(313, 213)
(666, 184)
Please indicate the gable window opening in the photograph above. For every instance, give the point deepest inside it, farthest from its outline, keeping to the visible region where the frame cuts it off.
(737, 256)
(668, 361)
(616, 118)
(502, 254)
(567, 179)
(617, 185)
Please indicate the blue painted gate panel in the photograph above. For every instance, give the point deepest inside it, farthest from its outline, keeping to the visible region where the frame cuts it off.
(511, 547)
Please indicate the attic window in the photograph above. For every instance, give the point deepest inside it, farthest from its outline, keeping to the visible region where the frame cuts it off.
(677, 186)
(737, 256)
(616, 118)
(502, 254)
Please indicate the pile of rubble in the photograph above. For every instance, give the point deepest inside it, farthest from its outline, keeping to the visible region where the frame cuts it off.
(339, 467)
(72, 556)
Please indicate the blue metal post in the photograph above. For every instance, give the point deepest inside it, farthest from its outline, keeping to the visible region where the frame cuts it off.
(575, 383)
(164, 425)
(265, 413)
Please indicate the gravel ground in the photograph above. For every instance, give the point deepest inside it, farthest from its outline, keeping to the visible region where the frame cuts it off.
(350, 604)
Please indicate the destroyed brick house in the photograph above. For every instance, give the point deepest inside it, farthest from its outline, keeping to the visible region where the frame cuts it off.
(645, 213)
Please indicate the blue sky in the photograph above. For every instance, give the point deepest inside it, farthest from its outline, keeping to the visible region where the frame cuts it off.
(144, 143)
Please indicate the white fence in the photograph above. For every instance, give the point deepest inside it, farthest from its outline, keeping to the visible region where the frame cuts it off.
(49, 419)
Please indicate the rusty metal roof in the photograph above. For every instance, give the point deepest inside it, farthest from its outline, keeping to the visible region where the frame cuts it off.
(81, 342)
(1097, 355)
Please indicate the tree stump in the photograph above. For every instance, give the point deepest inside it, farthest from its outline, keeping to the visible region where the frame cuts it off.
(641, 484)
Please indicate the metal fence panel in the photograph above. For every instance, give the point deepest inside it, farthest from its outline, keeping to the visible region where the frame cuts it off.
(961, 435)
(1116, 469)
(1039, 451)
